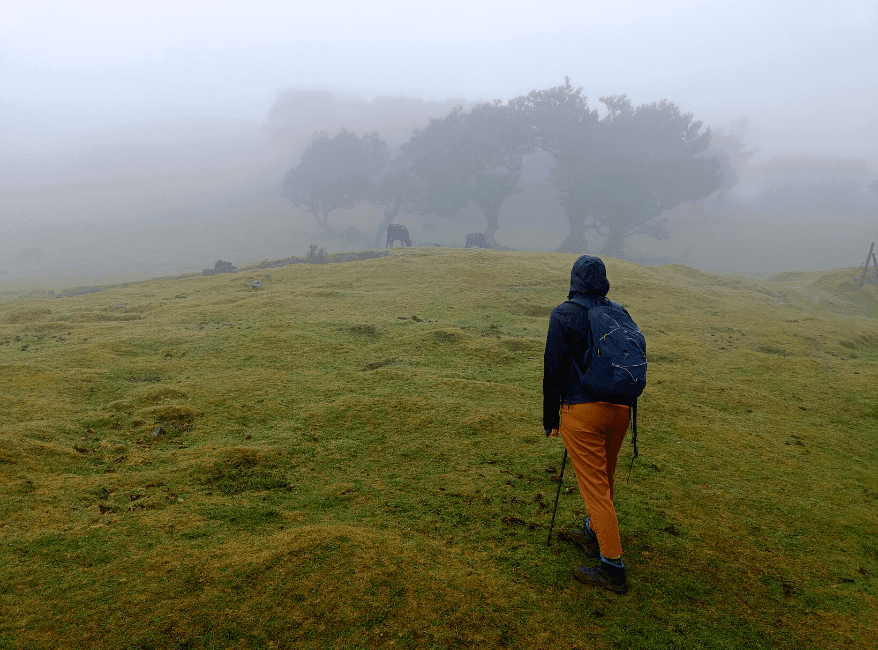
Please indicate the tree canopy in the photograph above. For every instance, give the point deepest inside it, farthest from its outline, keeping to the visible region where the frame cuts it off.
(617, 174)
(646, 160)
(335, 173)
(467, 157)
(614, 174)
(564, 126)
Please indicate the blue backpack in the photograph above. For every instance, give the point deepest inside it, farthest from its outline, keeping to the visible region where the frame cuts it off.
(615, 360)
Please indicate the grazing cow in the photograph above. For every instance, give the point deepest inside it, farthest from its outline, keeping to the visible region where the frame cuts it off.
(397, 231)
(477, 239)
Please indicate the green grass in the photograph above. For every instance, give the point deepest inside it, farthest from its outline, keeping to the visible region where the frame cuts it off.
(188, 463)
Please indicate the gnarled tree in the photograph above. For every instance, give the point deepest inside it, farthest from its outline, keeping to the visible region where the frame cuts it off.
(335, 173)
(467, 157)
(645, 161)
(562, 124)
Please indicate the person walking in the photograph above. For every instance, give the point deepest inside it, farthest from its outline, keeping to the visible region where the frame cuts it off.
(592, 428)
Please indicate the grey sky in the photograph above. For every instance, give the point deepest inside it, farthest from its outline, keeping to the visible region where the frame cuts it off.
(805, 73)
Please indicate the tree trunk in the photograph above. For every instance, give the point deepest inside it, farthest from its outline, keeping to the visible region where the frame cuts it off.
(614, 246)
(492, 216)
(321, 216)
(576, 241)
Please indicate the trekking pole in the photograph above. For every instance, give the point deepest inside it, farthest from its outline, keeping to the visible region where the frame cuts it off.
(558, 494)
(633, 439)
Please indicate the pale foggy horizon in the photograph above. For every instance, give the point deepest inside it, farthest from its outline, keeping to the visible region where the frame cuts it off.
(141, 141)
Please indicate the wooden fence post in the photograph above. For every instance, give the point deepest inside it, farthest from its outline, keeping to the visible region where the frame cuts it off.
(869, 258)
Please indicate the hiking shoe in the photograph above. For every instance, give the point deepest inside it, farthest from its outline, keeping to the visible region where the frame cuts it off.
(604, 574)
(586, 539)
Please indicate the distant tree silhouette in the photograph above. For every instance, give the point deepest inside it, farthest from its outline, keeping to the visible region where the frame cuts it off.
(562, 124)
(467, 157)
(616, 175)
(732, 150)
(335, 173)
(646, 160)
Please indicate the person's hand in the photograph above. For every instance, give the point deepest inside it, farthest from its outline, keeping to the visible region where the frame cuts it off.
(553, 433)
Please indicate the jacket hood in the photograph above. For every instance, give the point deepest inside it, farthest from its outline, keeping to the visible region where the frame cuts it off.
(588, 277)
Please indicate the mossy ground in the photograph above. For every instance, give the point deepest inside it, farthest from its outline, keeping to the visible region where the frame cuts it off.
(192, 463)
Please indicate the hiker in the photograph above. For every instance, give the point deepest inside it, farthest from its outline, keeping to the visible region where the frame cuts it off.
(592, 425)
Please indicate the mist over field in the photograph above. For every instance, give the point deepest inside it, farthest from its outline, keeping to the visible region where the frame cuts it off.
(140, 143)
(206, 443)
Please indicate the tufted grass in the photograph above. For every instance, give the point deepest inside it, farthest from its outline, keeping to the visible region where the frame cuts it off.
(189, 463)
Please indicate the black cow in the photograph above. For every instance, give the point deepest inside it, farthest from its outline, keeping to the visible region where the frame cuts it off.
(477, 239)
(397, 231)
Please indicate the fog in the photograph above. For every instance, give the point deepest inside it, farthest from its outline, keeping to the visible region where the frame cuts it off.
(152, 140)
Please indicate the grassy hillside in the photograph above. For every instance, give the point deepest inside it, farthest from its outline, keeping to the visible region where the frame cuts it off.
(193, 463)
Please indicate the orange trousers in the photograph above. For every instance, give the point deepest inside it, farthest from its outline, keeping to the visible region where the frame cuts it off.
(593, 434)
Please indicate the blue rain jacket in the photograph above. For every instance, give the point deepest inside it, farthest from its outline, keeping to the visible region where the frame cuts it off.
(569, 337)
